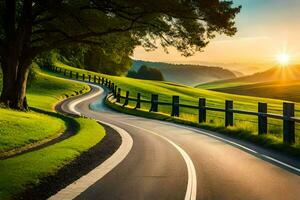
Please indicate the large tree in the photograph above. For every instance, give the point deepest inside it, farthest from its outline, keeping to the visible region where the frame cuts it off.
(30, 27)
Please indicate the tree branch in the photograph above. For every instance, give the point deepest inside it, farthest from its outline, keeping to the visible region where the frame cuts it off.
(81, 37)
(43, 20)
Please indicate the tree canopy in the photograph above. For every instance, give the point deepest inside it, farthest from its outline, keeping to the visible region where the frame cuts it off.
(30, 27)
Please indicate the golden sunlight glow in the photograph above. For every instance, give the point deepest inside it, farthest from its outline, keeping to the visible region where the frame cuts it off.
(283, 59)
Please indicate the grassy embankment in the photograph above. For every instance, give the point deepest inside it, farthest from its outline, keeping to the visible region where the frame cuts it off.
(21, 130)
(244, 126)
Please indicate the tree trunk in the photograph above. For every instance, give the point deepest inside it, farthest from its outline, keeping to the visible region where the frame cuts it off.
(15, 75)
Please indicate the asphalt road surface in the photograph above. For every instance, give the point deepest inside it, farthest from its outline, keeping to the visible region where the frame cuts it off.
(169, 161)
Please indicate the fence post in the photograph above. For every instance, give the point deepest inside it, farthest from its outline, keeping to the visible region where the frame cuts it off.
(202, 110)
(89, 78)
(154, 103)
(262, 118)
(71, 74)
(95, 79)
(175, 106)
(65, 72)
(115, 91)
(109, 85)
(288, 124)
(98, 80)
(138, 101)
(106, 82)
(228, 113)
(112, 88)
(83, 77)
(126, 99)
(102, 80)
(119, 95)
(77, 75)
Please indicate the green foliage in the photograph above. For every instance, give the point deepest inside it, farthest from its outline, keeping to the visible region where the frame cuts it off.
(112, 57)
(29, 28)
(147, 73)
(188, 25)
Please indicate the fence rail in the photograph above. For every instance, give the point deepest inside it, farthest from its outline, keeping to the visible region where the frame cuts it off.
(288, 116)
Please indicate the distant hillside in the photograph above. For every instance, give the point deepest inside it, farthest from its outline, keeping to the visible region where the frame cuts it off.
(237, 73)
(273, 74)
(277, 83)
(187, 74)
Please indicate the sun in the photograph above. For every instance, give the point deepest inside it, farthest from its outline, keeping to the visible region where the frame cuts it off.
(283, 59)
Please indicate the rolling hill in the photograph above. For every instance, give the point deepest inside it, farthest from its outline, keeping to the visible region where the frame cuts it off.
(278, 83)
(188, 74)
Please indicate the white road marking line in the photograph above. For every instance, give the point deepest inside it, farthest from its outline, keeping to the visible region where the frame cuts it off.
(266, 157)
(269, 158)
(191, 191)
(236, 144)
(84, 182)
(77, 101)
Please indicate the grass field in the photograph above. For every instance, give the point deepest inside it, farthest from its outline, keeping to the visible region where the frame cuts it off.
(285, 90)
(23, 129)
(189, 95)
(277, 83)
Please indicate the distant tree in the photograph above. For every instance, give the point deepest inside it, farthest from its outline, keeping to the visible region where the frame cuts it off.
(113, 57)
(147, 73)
(30, 27)
(132, 74)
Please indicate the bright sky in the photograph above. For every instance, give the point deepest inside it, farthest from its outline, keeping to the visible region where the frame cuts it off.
(266, 28)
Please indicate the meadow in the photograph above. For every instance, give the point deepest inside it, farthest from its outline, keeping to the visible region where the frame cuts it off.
(285, 90)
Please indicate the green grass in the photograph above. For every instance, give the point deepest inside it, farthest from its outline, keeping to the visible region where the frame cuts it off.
(189, 95)
(285, 90)
(26, 170)
(19, 129)
(223, 84)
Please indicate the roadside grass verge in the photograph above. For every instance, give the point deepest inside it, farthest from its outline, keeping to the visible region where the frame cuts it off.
(20, 172)
(21, 129)
(242, 132)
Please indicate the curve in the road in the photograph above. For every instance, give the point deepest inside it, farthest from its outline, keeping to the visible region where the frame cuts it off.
(224, 171)
(83, 183)
(191, 191)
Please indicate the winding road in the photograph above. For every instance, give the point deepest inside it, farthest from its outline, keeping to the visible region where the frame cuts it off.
(169, 161)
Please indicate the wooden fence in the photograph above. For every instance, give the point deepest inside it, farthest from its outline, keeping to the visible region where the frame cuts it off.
(288, 116)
